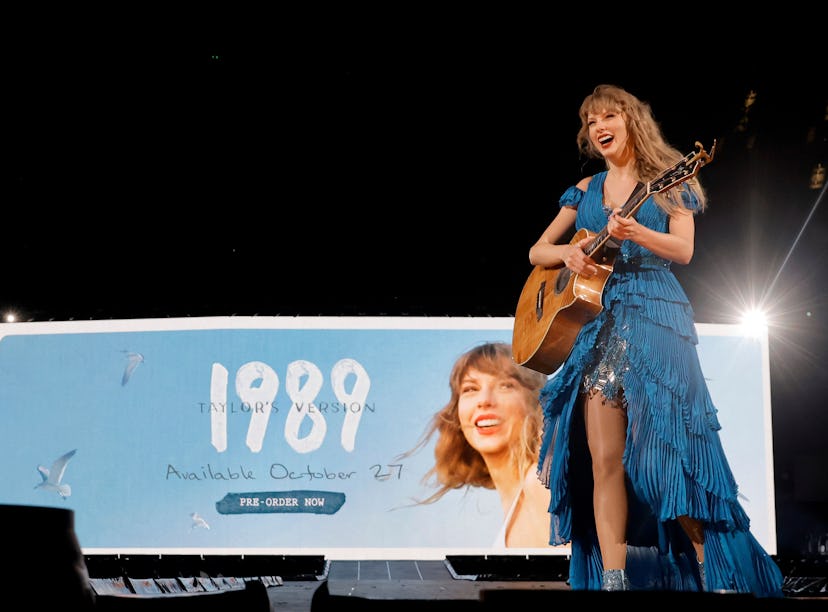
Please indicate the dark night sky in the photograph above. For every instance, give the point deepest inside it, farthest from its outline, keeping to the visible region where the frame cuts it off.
(380, 174)
(393, 175)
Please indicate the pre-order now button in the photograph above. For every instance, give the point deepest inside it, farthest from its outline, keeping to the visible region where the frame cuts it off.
(266, 502)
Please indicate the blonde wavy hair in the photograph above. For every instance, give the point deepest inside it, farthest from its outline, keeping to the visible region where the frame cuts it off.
(457, 464)
(653, 154)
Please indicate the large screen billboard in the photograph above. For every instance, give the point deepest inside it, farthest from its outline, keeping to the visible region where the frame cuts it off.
(284, 435)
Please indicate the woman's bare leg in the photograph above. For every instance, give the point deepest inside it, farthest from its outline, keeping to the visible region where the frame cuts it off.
(606, 429)
(693, 529)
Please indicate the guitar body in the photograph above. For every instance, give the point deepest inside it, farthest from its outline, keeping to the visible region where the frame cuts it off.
(553, 307)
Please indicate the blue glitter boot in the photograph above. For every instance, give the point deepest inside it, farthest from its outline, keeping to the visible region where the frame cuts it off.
(615, 580)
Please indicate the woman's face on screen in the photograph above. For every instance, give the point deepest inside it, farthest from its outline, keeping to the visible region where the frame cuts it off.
(491, 409)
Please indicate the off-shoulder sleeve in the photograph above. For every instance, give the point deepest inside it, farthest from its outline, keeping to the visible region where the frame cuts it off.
(571, 197)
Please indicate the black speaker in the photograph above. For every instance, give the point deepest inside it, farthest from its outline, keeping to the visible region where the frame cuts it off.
(43, 559)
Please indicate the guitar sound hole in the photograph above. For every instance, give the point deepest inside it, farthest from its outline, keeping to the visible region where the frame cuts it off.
(539, 301)
(562, 281)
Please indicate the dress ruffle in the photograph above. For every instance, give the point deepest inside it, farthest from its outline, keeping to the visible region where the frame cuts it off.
(674, 459)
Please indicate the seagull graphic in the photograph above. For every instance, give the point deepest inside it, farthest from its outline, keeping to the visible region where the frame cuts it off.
(133, 361)
(52, 476)
(198, 521)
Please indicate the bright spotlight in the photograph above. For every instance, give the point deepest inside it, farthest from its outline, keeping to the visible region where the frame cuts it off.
(754, 323)
(10, 317)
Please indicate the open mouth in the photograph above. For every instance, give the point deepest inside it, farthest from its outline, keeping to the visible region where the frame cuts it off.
(605, 140)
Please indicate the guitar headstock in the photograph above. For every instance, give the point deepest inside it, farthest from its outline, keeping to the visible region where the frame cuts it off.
(686, 168)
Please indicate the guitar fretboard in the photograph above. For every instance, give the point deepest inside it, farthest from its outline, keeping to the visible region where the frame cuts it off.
(629, 208)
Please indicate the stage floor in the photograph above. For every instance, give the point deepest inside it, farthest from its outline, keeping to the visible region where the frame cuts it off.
(375, 582)
(430, 585)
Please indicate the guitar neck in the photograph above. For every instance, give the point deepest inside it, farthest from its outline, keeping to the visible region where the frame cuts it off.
(629, 209)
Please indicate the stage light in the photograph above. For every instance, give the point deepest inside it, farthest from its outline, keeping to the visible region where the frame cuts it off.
(10, 317)
(754, 322)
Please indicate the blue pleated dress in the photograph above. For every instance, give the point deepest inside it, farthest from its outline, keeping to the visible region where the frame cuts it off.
(641, 349)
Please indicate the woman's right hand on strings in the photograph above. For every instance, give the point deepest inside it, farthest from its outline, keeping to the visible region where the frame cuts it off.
(577, 260)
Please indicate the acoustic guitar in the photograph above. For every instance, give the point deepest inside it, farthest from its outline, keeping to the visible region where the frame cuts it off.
(556, 303)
